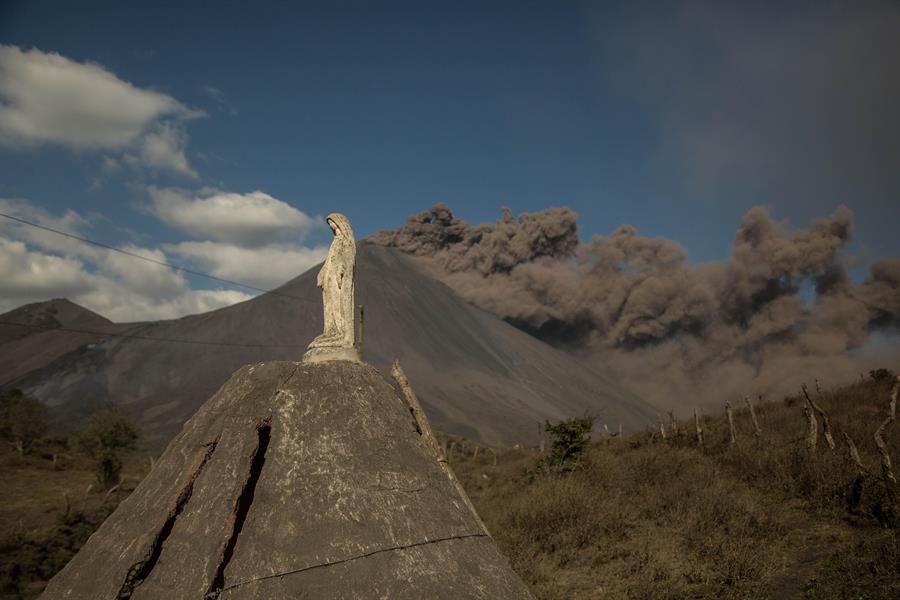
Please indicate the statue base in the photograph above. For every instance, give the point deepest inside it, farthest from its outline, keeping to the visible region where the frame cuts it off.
(325, 354)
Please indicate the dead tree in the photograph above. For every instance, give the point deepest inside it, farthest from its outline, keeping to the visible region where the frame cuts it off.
(853, 455)
(756, 430)
(886, 470)
(697, 427)
(861, 473)
(826, 424)
(421, 421)
(730, 422)
(812, 425)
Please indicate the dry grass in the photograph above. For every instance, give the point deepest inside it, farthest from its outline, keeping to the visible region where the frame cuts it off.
(38, 535)
(643, 519)
(653, 519)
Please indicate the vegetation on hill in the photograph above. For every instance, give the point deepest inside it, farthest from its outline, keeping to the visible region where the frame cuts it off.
(632, 517)
(55, 494)
(646, 517)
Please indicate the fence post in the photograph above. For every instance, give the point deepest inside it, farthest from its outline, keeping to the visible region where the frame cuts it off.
(362, 318)
(886, 470)
(730, 422)
(697, 427)
(756, 430)
(431, 443)
(826, 424)
(812, 425)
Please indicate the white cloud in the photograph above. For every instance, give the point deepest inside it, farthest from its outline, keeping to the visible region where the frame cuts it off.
(27, 275)
(36, 265)
(46, 98)
(264, 267)
(164, 148)
(249, 220)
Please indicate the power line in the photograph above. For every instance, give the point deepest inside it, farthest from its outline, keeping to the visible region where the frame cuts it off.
(145, 337)
(148, 259)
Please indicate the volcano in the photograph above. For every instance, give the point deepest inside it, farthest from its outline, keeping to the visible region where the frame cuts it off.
(477, 376)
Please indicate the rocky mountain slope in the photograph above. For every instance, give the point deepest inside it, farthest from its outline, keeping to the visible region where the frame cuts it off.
(477, 375)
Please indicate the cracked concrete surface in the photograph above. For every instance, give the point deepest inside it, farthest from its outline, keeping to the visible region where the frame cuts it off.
(293, 481)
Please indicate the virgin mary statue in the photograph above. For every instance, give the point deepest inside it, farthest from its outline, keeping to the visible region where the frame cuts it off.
(336, 282)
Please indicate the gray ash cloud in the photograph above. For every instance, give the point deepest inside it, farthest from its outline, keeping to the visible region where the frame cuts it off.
(635, 304)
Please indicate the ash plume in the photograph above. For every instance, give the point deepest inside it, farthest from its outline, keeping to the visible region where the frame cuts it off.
(679, 333)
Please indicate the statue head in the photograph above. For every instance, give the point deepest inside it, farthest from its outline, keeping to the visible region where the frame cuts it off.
(340, 226)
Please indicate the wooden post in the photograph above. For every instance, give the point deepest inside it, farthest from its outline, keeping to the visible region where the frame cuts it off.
(430, 441)
(826, 424)
(861, 473)
(886, 470)
(730, 422)
(756, 430)
(362, 317)
(812, 425)
(697, 427)
(620, 430)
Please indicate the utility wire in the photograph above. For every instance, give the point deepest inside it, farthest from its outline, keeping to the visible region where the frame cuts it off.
(148, 259)
(144, 337)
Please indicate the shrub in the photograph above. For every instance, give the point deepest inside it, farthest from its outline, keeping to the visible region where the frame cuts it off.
(569, 440)
(23, 419)
(107, 433)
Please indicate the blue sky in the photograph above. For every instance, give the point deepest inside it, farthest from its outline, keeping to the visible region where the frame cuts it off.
(673, 117)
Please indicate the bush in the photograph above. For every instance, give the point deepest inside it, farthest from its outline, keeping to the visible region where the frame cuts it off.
(107, 433)
(569, 439)
(23, 419)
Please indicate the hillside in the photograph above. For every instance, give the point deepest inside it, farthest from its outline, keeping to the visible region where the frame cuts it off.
(477, 375)
(24, 349)
(643, 518)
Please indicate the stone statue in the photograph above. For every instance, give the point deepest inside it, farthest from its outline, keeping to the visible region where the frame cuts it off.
(336, 282)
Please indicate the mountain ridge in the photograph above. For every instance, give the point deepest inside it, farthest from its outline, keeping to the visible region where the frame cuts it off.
(477, 375)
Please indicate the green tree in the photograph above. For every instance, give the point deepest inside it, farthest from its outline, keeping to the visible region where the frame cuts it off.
(568, 441)
(23, 419)
(108, 432)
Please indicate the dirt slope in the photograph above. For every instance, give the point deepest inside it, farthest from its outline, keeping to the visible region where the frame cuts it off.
(476, 375)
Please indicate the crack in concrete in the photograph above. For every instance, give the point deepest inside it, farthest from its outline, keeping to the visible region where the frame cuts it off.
(332, 563)
(139, 571)
(242, 505)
